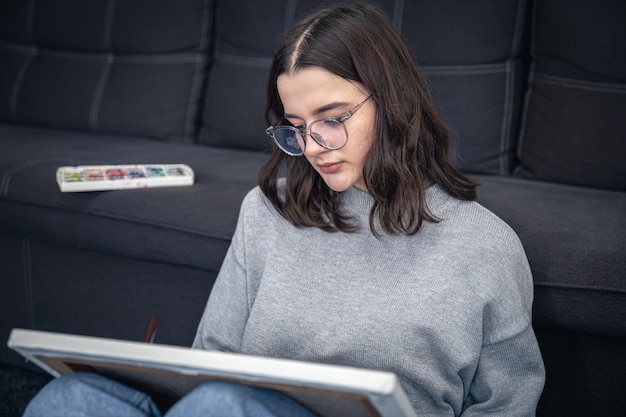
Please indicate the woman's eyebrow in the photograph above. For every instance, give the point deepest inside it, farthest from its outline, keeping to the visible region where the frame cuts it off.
(323, 109)
(329, 107)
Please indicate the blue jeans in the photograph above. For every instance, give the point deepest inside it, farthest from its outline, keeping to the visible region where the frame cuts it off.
(82, 394)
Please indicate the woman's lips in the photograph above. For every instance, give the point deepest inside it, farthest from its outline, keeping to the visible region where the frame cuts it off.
(330, 168)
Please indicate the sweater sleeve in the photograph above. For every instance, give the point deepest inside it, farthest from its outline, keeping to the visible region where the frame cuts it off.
(509, 379)
(224, 319)
(510, 374)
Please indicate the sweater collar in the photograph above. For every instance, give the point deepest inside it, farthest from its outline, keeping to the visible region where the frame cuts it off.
(360, 202)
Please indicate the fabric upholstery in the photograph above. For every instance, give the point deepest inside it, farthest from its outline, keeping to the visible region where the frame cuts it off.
(584, 374)
(473, 49)
(98, 293)
(123, 67)
(233, 114)
(574, 122)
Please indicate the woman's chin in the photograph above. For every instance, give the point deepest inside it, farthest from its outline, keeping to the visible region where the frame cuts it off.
(338, 186)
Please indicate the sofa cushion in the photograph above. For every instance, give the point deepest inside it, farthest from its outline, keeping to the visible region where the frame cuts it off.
(137, 223)
(235, 97)
(473, 50)
(466, 50)
(574, 122)
(124, 67)
(575, 240)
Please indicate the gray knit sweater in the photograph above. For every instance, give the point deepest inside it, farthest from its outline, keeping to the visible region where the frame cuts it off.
(448, 309)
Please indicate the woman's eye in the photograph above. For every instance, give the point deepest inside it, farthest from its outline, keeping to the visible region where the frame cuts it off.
(332, 123)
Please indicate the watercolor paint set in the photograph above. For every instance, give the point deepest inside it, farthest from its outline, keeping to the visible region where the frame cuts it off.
(121, 177)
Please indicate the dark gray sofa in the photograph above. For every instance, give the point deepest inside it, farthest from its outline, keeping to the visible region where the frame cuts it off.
(534, 91)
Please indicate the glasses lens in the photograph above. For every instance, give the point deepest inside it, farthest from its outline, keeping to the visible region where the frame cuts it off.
(331, 134)
(289, 140)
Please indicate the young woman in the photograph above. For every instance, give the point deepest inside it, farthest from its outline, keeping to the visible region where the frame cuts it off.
(370, 252)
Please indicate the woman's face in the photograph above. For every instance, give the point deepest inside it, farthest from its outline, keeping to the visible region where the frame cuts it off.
(314, 93)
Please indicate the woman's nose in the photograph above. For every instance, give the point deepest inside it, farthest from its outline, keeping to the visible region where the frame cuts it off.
(312, 148)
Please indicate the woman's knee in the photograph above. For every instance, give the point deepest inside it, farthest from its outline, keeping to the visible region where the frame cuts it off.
(212, 393)
(220, 389)
(72, 384)
(79, 393)
(217, 398)
(62, 390)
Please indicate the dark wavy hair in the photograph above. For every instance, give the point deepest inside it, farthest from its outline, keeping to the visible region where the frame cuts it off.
(357, 42)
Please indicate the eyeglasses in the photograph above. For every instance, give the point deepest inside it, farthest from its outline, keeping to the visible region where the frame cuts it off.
(329, 133)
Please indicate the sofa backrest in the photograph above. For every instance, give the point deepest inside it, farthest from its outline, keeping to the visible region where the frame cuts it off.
(470, 51)
(574, 128)
(195, 71)
(480, 57)
(131, 67)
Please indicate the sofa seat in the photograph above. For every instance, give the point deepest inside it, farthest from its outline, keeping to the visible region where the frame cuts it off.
(138, 223)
